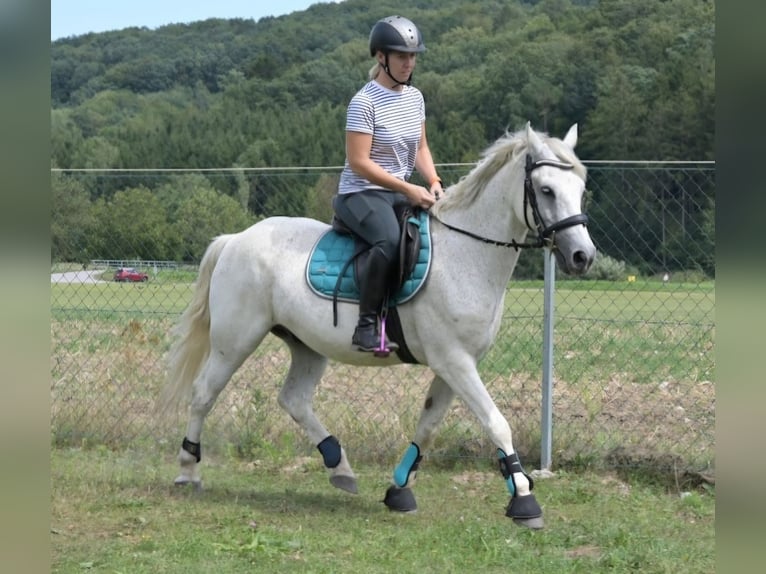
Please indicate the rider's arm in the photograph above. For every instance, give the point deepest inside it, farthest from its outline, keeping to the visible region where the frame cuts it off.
(424, 163)
(358, 146)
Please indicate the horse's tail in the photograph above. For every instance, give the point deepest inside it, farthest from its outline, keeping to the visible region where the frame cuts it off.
(191, 347)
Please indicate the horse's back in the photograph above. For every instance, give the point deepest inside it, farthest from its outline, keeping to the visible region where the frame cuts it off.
(267, 261)
(277, 236)
(280, 227)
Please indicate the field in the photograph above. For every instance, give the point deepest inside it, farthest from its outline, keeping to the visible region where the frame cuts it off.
(634, 446)
(633, 369)
(117, 511)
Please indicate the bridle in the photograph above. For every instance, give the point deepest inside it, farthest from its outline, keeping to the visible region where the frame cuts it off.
(545, 235)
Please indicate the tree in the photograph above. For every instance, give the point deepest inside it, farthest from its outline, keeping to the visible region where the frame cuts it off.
(134, 225)
(96, 152)
(71, 217)
(319, 200)
(66, 137)
(638, 76)
(204, 215)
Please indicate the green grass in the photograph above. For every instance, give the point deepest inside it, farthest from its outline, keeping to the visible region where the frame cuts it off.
(114, 300)
(628, 356)
(119, 512)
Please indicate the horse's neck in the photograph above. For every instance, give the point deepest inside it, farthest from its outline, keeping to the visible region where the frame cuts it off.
(465, 268)
(492, 213)
(491, 216)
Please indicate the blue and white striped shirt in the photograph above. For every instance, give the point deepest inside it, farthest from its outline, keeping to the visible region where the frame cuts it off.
(395, 119)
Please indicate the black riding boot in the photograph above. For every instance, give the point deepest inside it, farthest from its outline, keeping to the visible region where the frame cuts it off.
(366, 337)
(372, 291)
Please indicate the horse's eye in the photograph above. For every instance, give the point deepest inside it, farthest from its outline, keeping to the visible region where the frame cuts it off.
(546, 190)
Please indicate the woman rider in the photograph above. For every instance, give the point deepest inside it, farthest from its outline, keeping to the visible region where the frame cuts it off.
(385, 142)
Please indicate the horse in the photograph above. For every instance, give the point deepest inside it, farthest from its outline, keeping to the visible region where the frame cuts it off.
(252, 283)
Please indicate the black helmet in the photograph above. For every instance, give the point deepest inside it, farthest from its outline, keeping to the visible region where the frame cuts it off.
(395, 33)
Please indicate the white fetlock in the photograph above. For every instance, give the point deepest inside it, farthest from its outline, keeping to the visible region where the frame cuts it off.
(521, 482)
(183, 480)
(189, 470)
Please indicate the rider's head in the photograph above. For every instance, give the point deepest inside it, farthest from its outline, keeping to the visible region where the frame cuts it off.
(398, 36)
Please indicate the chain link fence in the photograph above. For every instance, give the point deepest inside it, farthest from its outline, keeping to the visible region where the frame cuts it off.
(633, 355)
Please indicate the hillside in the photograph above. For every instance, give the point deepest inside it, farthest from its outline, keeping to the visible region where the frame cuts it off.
(637, 75)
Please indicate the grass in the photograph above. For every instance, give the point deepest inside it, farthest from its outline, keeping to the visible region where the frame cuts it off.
(118, 512)
(632, 399)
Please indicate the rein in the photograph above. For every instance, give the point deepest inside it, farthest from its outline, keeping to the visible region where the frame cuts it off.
(543, 233)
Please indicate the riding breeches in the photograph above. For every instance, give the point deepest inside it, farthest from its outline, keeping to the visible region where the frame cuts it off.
(370, 215)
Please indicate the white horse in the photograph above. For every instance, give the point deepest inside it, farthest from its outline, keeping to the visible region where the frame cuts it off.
(253, 282)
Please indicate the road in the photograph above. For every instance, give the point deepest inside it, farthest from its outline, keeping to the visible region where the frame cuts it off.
(82, 276)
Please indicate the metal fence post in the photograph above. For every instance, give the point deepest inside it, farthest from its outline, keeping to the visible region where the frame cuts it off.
(549, 271)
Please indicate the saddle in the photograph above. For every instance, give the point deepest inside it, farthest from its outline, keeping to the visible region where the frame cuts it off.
(333, 264)
(331, 270)
(409, 246)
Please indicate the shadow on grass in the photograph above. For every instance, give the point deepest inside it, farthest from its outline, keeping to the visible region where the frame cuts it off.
(287, 500)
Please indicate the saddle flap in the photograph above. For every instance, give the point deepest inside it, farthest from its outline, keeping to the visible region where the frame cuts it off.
(409, 244)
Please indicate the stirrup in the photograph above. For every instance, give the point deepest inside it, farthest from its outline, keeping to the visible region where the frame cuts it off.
(386, 346)
(368, 340)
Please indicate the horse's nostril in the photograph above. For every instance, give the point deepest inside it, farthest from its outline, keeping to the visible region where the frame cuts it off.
(581, 260)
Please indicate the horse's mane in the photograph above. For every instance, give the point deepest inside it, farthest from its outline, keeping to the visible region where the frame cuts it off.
(509, 148)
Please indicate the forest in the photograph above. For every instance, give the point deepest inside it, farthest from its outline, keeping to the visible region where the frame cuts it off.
(217, 114)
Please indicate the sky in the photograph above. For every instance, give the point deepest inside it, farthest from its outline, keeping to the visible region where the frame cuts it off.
(76, 17)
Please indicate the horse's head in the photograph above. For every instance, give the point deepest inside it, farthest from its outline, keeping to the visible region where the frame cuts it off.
(553, 195)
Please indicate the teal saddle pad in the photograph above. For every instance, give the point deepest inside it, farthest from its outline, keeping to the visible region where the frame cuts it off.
(333, 250)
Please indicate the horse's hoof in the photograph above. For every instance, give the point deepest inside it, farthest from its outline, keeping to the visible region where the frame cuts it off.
(400, 499)
(533, 523)
(525, 511)
(347, 483)
(186, 481)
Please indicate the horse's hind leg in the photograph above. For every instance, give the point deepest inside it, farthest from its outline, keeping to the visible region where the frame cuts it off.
(297, 396)
(399, 496)
(214, 376)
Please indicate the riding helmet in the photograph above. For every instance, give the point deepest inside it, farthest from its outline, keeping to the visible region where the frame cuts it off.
(395, 33)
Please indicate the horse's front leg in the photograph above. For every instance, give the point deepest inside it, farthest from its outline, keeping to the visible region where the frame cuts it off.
(523, 507)
(399, 496)
(296, 397)
(464, 380)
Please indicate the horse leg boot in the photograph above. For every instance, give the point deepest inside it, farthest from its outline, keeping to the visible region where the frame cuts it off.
(400, 496)
(523, 508)
(372, 290)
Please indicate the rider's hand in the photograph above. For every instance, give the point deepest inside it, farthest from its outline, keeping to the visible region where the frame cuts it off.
(436, 189)
(419, 196)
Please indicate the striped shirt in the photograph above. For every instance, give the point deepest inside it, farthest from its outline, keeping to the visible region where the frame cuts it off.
(394, 119)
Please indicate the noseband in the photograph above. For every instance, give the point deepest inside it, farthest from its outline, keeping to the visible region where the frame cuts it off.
(544, 234)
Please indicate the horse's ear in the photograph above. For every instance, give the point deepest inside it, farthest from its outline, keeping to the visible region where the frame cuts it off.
(571, 138)
(533, 141)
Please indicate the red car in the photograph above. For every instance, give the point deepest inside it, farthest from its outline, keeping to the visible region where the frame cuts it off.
(129, 274)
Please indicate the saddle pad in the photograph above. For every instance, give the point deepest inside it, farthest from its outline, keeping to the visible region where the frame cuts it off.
(333, 250)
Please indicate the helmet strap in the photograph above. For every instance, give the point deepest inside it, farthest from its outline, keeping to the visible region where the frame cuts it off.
(388, 73)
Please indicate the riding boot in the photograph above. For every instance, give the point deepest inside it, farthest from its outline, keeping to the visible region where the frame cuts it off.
(372, 291)
(366, 337)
